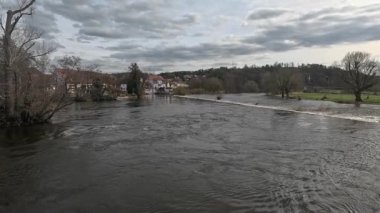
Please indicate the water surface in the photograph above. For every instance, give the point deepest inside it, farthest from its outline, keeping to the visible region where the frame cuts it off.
(178, 155)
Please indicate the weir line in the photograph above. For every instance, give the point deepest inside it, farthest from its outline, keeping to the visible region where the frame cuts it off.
(345, 117)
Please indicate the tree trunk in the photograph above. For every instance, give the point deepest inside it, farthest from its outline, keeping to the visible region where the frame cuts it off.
(8, 73)
(358, 96)
(282, 94)
(8, 80)
(8, 90)
(16, 92)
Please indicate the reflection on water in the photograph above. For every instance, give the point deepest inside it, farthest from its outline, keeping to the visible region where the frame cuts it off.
(176, 155)
(29, 135)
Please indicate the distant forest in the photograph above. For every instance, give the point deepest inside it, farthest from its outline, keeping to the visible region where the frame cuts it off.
(310, 77)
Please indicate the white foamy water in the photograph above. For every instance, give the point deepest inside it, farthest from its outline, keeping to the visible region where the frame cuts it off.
(370, 119)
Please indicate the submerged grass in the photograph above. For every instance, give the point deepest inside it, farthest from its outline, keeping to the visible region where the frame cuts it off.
(338, 97)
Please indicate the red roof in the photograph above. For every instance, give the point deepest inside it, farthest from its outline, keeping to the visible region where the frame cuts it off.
(155, 78)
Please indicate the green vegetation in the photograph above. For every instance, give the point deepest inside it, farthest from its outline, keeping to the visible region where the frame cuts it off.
(251, 86)
(282, 82)
(356, 75)
(180, 91)
(136, 81)
(213, 85)
(311, 77)
(205, 85)
(368, 98)
(99, 92)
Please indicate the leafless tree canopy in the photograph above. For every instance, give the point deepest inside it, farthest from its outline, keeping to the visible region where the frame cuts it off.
(283, 82)
(360, 73)
(27, 94)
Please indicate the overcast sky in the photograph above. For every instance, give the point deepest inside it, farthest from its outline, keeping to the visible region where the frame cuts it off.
(171, 35)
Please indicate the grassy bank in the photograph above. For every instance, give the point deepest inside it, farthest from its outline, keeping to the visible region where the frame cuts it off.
(336, 97)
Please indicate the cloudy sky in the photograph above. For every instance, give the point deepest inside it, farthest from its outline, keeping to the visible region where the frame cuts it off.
(171, 35)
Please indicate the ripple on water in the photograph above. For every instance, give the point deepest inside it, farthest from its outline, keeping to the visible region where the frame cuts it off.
(191, 156)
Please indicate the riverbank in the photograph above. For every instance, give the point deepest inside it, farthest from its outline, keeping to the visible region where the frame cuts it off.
(342, 98)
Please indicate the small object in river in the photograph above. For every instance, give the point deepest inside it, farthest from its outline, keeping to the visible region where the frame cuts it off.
(218, 97)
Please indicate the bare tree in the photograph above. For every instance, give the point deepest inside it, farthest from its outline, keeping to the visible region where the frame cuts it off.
(360, 72)
(282, 81)
(70, 62)
(12, 19)
(29, 95)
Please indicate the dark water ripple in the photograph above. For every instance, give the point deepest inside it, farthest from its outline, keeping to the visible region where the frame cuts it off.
(173, 155)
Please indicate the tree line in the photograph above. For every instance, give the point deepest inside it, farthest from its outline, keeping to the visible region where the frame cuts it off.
(356, 73)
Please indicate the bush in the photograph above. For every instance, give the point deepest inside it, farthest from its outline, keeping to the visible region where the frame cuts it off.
(251, 86)
(180, 91)
(213, 85)
(197, 91)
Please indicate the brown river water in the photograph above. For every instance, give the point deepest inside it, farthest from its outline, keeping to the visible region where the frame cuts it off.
(181, 155)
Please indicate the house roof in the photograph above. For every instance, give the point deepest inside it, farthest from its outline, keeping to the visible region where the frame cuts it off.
(155, 78)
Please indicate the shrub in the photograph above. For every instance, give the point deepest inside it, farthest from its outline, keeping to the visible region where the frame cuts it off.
(213, 85)
(180, 91)
(251, 86)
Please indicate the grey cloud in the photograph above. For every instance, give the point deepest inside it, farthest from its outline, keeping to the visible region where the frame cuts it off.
(41, 20)
(141, 6)
(89, 32)
(198, 34)
(56, 45)
(122, 19)
(320, 28)
(44, 22)
(223, 64)
(187, 19)
(322, 12)
(115, 65)
(204, 51)
(83, 39)
(370, 8)
(266, 13)
(261, 57)
(141, 20)
(123, 47)
(105, 64)
(157, 68)
(75, 10)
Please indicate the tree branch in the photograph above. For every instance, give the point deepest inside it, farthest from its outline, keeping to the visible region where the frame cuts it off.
(24, 8)
(31, 38)
(42, 54)
(13, 25)
(1, 23)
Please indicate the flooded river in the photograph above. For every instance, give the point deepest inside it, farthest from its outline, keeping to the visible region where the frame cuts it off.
(180, 155)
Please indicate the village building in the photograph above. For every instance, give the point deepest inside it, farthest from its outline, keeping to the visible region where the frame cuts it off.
(156, 84)
(80, 82)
